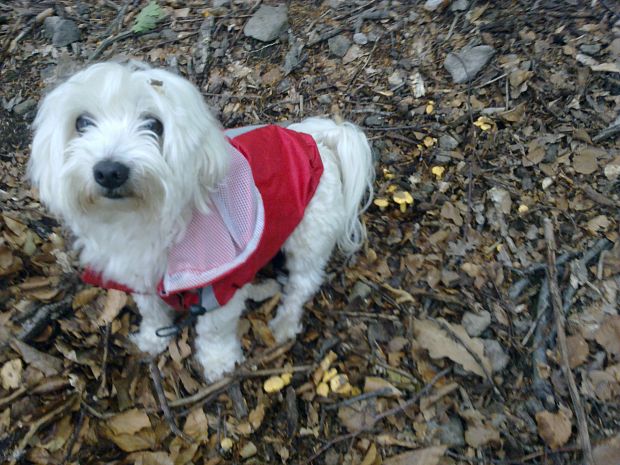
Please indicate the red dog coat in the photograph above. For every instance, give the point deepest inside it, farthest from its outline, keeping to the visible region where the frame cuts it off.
(274, 173)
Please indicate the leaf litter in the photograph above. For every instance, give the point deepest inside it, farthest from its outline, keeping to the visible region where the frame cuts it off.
(466, 175)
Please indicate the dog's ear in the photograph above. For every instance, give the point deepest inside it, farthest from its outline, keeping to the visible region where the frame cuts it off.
(51, 133)
(193, 140)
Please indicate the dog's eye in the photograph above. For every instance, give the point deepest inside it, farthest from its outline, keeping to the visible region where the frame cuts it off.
(154, 125)
(82, 123)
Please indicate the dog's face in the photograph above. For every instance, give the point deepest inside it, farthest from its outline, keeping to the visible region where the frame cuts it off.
(120, 140)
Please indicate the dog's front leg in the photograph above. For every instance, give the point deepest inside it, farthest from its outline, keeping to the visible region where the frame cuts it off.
(155, 314)
(217, 346)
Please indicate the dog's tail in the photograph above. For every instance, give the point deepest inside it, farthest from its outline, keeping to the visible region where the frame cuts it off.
(357, 172)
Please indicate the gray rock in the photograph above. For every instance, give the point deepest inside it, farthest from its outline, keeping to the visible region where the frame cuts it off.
(590, 49)
(339, 45)
(449, 434)
(220, 3)
(447, 142)
(496, 354)
(324, 99)
(293, 56)
(459, 5)
(374, 120)
(432, 5)
(267, 23)
(476, 323)
(360, 38)
(25, 106)
(361, 290)
(464, 65)
(62, 31)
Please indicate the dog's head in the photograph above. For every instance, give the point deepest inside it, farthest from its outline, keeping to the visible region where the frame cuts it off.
(125, 139)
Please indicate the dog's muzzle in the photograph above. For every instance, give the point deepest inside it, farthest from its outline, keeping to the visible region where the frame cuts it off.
(110, 174)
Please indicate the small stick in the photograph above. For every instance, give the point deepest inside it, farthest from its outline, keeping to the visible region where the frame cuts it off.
(556, 301)
(102, 391)
(374, 420)
(34, 427)
(163, 402)
(361, 397)
(15, 395)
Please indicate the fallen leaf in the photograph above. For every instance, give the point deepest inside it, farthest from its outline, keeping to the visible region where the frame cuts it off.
(356, 418)
(373, 384)
(114, 303)
(608, 451)
(586, 161)
(481, 435)
(427, 456)
(11, 374)
(440, 344)
(535, 152)
(578, 350)
(501, 199)
(608, 335)
(597, 224)
(450, 212)
(248, 450)
(129, 422)
(256, 416)
(554, 428)
(48, 364)
(196, 425)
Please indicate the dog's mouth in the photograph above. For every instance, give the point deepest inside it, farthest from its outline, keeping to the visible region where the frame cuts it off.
(116, 194)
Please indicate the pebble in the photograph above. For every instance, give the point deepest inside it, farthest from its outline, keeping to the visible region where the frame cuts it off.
(449, 434)
(267, 23)
(493, 350)
(447, 142)
(432, 5)
(459, 5)
(590, 49)
(62, 31)
(361, 290)
(25, 106)
(324, 99)
(360, 38)
(339, 45)
(476, 323)
(374, 120)
(473, 58)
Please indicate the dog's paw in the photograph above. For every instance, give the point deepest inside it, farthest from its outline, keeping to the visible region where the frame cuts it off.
(147, 341)
(284, 327)
(263, 291)
(216, 361)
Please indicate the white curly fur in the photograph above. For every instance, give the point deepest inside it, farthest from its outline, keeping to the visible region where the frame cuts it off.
(126, 239)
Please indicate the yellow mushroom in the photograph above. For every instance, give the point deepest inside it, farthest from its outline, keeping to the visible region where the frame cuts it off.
(402, 198)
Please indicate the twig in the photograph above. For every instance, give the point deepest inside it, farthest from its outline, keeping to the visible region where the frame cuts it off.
(361, 397)
(42, 316)
(377, 418)
(34, 427)
(105, 43)
(104, 363)
(598, 197)
(607, 133)
(74, 436)
(96, 413)
(15, 395)
(540, 385)
(556, 300)
(360, 68)
(163, 402)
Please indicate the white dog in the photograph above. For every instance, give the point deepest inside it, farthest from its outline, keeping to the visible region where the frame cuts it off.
(133, 162)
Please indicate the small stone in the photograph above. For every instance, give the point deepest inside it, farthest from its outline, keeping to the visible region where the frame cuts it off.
(361, 290)
(449, 434)
(493, 350)
(62, 31)
(339, 45)
(324, 99)
(590, 49)
(447, 142)
(267, 23)
(476, 323)
(220, 3)
(432, 5)
(464, 65)
(360, 38)
(459, 5)
(25, 106)
(374, 120)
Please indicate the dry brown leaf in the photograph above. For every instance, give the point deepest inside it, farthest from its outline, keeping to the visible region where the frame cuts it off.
(262, 331)
(257, 415)
(535, 152)
(554, 428)
(440, 344)
(248, 450)
(355, 418)
(150, 458)
(578, 350)
(608, 335)
(586, 161)
(372, 457)
(142, 440)
(450, 212)
(48, 364)
(481, 435)
(129, 422)
(373, 383)
(427, 456)
(84, 297)
(114, 303)
(196, 425)
(598, 223)
(607, 452)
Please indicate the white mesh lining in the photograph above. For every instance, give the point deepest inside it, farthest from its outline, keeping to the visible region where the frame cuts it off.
(232, 201)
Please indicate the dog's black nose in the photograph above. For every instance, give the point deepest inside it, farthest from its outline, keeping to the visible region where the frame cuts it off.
(110, 174)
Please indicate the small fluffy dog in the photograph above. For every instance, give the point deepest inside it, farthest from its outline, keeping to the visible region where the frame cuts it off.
(167, 205)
